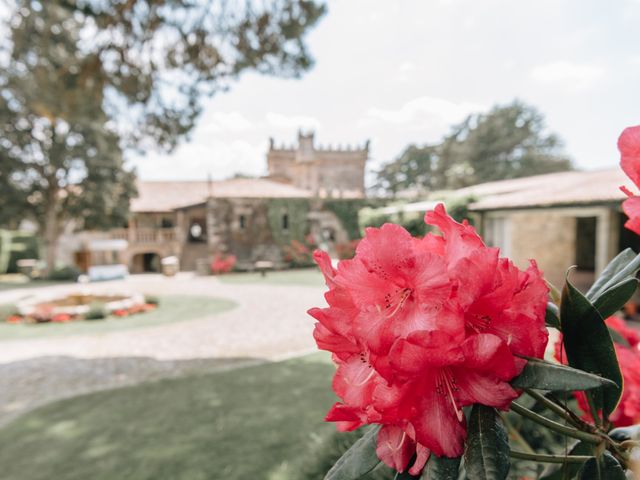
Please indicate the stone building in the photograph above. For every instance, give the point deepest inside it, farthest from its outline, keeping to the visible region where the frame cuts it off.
(251, 218)
(324, 171)
(558, 219)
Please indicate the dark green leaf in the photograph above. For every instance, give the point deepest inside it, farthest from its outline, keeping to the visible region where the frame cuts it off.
(606, 468)
(588, 344)
(568, 471)
(614, 298)
(552, 318)
(359, 460)
(624, 265)
(441, 468)
(543, 375)
(487, 453)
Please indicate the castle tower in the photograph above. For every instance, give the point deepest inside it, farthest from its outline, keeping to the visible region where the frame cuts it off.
(327, 172)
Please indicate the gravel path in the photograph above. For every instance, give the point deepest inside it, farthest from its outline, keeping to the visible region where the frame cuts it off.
(269, 323)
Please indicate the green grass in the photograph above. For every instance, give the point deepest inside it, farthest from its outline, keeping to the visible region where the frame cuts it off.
(250, 423)
(172, 308)
(310, 277)
(14, 285)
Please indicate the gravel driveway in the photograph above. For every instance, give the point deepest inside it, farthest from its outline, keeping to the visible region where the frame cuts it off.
(269, 323)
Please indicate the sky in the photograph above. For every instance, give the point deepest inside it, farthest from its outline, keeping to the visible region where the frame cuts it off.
(401, 72)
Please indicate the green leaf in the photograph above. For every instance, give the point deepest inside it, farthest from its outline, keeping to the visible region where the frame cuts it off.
(619, 339)
(588, 344)
(487, 453)
(613, 299)
(606, 468)
(625, 265)
(441, 468)
(543, 375)
(568, 471)
(552, 318)
(359, 460)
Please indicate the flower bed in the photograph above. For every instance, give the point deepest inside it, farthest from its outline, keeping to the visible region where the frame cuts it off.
(78, 306)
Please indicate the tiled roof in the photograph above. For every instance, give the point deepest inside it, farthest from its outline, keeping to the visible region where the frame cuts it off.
(165, 196)
(564, 188)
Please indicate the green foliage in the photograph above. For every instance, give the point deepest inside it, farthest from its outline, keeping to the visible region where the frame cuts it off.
(64, 273)
(359, 460)
(441, 468)
(509, 141)
(487, 454)
(543, 375)
(297, 211)
(324, 452)
(347, 212)
(152, 299)
(604, 468)
(97, 311)
(16, 246)
(414, 168)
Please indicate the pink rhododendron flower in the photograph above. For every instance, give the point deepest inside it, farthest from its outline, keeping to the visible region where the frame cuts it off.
(629, 146)
(628, 411)
(420, 328)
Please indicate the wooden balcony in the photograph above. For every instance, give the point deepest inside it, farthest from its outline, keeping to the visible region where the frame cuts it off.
(145, 236)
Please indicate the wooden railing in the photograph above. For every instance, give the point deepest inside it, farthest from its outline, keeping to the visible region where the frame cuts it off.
(145, 236)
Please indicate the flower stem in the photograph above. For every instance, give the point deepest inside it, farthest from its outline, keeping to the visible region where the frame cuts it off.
(593, 409)
(539, 457)
(516, 434)
(557, 427)
(555, 408)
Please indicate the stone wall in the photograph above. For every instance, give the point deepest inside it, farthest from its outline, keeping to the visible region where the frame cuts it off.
(546, 236)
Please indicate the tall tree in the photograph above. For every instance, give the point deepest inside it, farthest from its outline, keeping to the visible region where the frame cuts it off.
(509, 141)
(82, 81)
(413, 169)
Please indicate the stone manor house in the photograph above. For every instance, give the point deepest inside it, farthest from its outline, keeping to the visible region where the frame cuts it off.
(306, 190)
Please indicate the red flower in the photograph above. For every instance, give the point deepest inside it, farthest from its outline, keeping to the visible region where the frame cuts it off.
(420, 328)
(14, 319)
(61, 318)
(628, 411)
(629, 146)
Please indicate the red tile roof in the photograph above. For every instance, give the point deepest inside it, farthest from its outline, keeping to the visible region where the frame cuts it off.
(164, 196)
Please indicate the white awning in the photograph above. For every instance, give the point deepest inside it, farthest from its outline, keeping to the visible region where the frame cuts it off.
(107, 245)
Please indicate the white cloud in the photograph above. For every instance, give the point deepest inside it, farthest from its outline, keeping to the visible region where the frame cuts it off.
(278, 120)
(569, 75)
(219, 122)
(421, 113)
(196, 161)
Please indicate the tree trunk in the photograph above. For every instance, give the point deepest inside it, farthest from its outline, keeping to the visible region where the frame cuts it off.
(51, 230)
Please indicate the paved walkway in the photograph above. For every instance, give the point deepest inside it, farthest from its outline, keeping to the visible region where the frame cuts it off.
(269, 323)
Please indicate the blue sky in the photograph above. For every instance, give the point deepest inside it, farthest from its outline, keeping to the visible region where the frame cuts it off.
(400, 72)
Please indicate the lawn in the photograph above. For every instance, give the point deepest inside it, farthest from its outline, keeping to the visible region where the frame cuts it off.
(303, 277)
(172, 308)
(249, 423)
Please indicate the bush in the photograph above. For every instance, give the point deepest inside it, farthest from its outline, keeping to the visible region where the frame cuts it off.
(97, 311)
(152, 300)
(64, 273)
(299, 254)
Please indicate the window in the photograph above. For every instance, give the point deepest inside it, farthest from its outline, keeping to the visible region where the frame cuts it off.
(285, 221)
(242, 221)
(586, 243)
(497, 234)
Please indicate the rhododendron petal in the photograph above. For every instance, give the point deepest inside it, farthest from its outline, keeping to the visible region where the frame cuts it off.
(629, 147)
(461, 238)
(421, 350)
(346, 418)
(476, 387)
(395, 447)
(332, 342)
(355, 381)
(437, 426)
(374, 252)
(490, 354)
(631, 335)
(422, 455)
(323, 261)
(631, 207)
